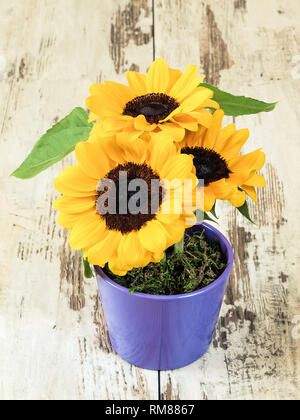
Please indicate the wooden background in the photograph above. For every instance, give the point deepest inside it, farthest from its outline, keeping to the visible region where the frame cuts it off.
(53, 337)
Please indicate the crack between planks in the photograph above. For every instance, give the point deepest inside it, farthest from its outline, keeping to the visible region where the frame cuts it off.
(159, 385)
(153, 28)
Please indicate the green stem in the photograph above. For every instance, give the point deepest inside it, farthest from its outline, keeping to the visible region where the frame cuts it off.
(164, 259)
(179, 247)
(87, 271)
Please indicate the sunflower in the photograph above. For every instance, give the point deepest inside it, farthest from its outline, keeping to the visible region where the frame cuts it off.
(163, 100)
(119, 237)
(226, 174)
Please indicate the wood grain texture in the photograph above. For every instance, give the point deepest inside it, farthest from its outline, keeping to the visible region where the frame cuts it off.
(54, 341)
(247, 47)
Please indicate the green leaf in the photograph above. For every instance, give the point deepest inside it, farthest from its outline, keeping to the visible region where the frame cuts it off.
(208, 218)
(88, 273)
(238, 105)
(213, 211)
(201, 216)
(57, 143)
(244, 210)
(179, 247)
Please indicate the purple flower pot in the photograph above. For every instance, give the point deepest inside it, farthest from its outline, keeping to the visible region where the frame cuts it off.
(164, 332)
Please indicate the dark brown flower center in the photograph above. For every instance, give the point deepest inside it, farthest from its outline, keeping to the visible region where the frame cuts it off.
(129, 196)
(210, 166)
(154, 106)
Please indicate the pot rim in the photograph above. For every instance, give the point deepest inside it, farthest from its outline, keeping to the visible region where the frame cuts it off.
(204, 290)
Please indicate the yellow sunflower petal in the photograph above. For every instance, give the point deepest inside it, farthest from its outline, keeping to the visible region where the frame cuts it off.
(178, 167)
(157, 79)
(105, 103)
(234, 144)
(74, 182)
(118, 267)
(136, 153)
(132, 252)
(69, 220)
(171, 115)
(186, 83)
(251, 192)
(203, 117)
(209, 103)
(73, 205)
(113, 123)
(186, 121)
(122, 92)
(175, 131)
(128, 135)
(92, 117)
(239, 177)
(87, 231)
(162, 149)
(111, 147)
(101, 131)
(212, 133)
(95, 132)
(190, 220)
(106, 249)
(238, 198)
(166, 219)
(256, 180)
(193, 101)
(172, 204)
(92, 160)
(72, 192)
(141, 124)
(157, 257)
(254, 160)
(95, 88)
(174, 232)
(193, 139)
(174, 75)
(209, 199)
(223, 136)
(222, 189)
(137, 83)
(190, 140)
(152, 236)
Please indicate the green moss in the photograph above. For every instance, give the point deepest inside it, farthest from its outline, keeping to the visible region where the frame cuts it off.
(200, 264)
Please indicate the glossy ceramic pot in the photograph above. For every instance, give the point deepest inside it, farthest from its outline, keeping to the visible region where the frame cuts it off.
(164, 332)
